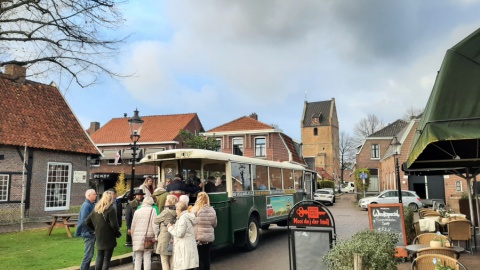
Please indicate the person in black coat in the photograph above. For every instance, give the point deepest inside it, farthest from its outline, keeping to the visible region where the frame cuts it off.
(103, 220)
(117, 205)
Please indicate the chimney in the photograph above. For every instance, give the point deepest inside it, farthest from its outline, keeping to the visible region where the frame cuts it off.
(254, 116)
(94, 126)
(18, 73)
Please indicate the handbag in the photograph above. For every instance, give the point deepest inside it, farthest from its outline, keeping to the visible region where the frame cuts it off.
(170, 245)
(148, 241)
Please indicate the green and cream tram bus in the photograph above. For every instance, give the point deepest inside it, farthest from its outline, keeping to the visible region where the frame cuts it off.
(253, 193)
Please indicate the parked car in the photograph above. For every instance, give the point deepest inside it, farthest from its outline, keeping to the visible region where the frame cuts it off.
(409, 198)
(331, 191)
(124, 197)
(324, 196)
(348, 187)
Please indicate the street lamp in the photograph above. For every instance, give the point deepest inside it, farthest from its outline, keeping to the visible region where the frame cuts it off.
(396, 145)
(135, 128)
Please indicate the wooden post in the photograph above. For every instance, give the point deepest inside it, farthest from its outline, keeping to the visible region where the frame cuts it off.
(357, 262)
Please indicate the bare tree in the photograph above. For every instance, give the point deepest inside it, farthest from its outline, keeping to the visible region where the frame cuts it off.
(366, 127)
(347, 152)
(412, 112)
(72, 37)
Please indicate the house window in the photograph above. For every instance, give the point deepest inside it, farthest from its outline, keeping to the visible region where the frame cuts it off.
(219, 141)
(118, 158)
(238, 146)
(95, 162)
(57, 195)
(375, 151)
(458, 186)
(315, 131)
(3, 187)
(260, 147)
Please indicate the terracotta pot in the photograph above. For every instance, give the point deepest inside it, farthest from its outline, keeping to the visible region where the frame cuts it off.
(435, 244)
(445, 220)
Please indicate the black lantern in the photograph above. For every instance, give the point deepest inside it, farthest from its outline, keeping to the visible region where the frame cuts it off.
(135, 128)
(396, 151)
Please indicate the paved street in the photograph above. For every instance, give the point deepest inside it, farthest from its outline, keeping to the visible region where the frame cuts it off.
(272, 252)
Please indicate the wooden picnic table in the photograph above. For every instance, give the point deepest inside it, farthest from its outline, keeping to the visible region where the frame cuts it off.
(62, 220)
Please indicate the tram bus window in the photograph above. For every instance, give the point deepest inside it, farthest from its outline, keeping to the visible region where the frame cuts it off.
(260, 176)
(288, 179)
(275, 178)
(241, 174)
(297, 175)
(217, 172)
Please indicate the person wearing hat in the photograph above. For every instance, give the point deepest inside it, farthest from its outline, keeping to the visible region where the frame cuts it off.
(130, 211)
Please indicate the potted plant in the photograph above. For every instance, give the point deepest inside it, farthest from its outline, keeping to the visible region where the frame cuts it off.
(438, 241)
(445, 216)
(439, 266)
(368, 244)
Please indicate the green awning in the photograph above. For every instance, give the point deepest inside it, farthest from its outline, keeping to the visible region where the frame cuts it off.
(449, 131)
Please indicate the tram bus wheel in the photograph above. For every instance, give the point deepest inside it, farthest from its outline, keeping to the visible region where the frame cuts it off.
(252, 234)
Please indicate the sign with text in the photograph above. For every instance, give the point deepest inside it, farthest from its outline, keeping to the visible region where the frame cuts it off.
(388, 218)
(79, 176)
(311, 216)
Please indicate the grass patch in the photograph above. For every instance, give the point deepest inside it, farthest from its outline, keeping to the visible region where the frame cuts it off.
(33, 249)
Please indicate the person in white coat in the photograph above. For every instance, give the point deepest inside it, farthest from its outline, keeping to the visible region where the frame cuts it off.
(185, 254)
(143, 226)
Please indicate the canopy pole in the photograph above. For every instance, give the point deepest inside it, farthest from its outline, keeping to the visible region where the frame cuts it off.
(470, 202)
(475, 192)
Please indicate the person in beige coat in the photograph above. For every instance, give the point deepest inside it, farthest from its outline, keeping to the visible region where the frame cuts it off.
(185, 255)
(206, 219)
(141, 227)
(167, 216)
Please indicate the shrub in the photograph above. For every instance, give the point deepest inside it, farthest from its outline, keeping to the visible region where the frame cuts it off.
(326, 184)
(408, 217)
(377, 249)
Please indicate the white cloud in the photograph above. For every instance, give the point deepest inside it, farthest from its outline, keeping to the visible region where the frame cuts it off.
(226, 59)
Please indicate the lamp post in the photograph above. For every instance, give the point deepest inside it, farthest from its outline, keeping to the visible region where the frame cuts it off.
(135, 128)
(396, 145)
(242, 169)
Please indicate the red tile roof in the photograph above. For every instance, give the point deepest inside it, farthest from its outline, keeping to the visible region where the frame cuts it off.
(156, 128)
(291, 146)
(37, 115)
(241, 124)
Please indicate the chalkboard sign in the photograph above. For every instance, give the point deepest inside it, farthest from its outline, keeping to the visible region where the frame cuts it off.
(388, 218)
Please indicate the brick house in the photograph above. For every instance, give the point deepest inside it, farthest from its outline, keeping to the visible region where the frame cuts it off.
(447, 188)
(159, 132)
(320, 137)
(374, 147)
(246, 136)
(36, 117)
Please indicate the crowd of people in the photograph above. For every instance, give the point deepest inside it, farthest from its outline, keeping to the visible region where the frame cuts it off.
(176, 217)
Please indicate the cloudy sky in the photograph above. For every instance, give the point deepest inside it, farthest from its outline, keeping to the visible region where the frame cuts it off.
(227, 59)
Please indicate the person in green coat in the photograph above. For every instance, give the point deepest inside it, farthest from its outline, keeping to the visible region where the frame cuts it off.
(160, 196)
(167, 216)
(103, 220)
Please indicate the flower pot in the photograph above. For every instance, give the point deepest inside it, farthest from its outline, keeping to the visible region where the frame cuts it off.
(447, 244)
(435, 244)
(445, 220)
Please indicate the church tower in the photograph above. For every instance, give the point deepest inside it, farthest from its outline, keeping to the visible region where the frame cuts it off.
(320, 137)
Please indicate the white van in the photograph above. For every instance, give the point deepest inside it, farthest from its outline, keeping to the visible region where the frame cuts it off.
(349, 187)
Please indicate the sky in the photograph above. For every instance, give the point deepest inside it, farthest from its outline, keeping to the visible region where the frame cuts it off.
(228, 59)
